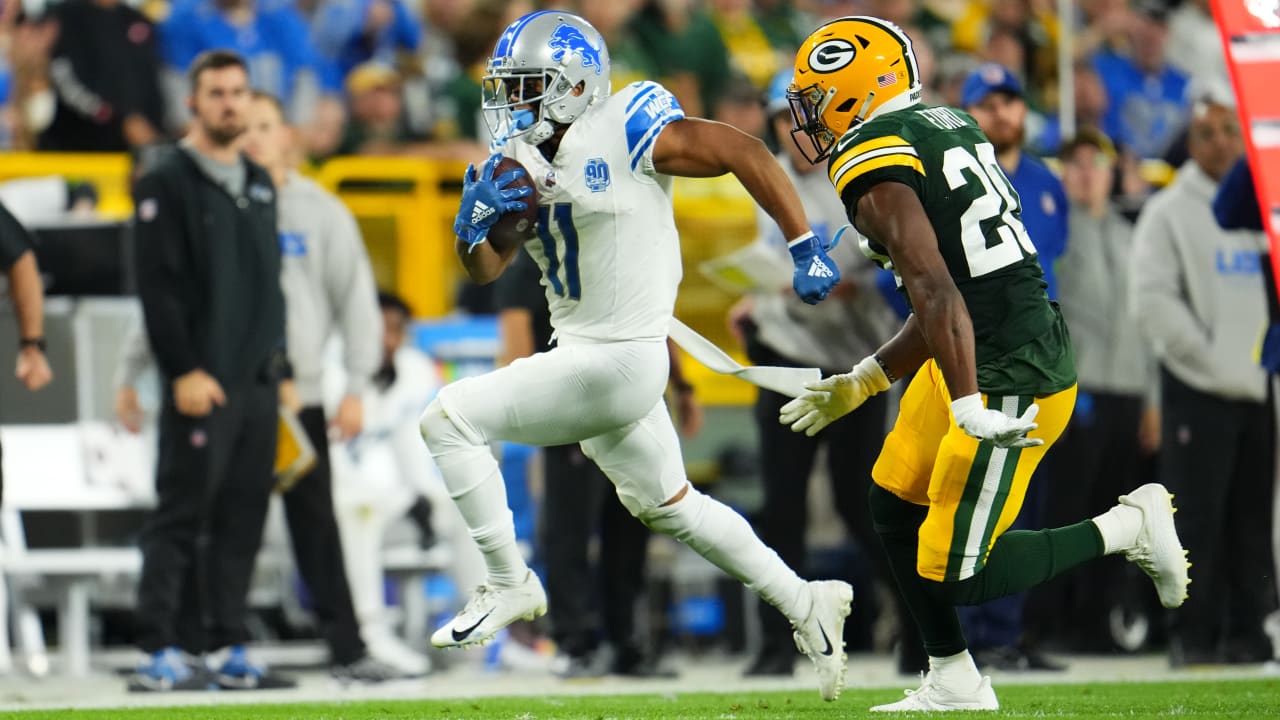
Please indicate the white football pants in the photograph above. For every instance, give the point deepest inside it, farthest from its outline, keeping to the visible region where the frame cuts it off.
(605, 396)
(608, 398)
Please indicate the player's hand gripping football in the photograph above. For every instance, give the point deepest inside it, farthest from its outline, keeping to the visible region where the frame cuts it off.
(831, 398)
(985, 423)
(484, 200)
(815, 272)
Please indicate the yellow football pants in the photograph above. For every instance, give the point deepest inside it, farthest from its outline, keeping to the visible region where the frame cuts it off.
(974, 490)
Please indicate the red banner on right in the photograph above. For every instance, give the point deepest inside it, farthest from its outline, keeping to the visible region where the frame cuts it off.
(1251, 36)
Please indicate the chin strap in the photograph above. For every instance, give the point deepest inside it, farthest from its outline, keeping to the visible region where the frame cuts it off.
(541, 130)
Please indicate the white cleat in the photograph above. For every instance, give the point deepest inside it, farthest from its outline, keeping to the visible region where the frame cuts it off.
(491, 609)
(932, 697)
(1158, 551)
(821, 635)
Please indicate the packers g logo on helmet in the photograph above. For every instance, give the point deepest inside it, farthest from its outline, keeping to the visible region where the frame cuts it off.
(830, 56)
(846, 72)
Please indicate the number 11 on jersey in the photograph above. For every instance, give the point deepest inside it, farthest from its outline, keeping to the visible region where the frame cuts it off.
(563, 214)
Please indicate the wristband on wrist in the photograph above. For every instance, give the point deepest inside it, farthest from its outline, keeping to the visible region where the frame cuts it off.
(682, 387)
(967, 406)
(35, 342)
(880, 361)
(802, 239)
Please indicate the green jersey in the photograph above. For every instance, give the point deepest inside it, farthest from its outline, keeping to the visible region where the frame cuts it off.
(1021, 341)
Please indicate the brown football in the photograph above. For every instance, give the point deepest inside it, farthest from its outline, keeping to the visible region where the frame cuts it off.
(514, 228)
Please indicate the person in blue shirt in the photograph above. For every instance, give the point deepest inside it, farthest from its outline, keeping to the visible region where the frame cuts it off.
(270, 35)
(1147, 95)
(993, 95)
(351, 32)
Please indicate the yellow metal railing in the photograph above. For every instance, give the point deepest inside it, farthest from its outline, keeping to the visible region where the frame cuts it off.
(420, 261)
(109, 173)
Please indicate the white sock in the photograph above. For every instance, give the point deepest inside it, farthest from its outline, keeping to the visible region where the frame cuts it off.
(1119, 528)
(726, 539)
(471, 474)
(957, 672)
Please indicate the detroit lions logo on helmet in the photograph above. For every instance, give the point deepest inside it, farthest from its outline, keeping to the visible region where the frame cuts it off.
(568, 39)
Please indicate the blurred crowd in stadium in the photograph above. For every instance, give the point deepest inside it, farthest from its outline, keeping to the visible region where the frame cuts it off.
(390, 76)
(1151, 99)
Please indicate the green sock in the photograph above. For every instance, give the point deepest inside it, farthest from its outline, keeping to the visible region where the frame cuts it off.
(898, 523)
(1022, 559)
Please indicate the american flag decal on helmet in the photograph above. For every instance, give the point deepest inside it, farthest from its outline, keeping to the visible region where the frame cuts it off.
(887, 79)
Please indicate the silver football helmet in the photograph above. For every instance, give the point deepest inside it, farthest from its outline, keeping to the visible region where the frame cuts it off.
(530, 79)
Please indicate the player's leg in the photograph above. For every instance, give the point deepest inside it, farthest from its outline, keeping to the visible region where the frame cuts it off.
(899, 501)
(644, 463)
(553, 398)
(971, 558)
(965, 557)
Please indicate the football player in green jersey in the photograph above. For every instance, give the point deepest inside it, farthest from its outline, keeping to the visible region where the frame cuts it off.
(989, 353)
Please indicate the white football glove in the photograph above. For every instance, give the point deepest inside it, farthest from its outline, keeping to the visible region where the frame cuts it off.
(984, 423)
(833, 397)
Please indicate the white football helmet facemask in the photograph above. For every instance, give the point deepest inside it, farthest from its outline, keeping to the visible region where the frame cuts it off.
(530, 79)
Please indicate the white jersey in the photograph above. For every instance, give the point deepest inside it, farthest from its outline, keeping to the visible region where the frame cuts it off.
(607, 242)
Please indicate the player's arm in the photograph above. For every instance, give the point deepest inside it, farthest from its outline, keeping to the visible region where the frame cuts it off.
(486, 198)
(891, 214)
(704, 148)
(484, 262)
(906, 351)
(693, 147)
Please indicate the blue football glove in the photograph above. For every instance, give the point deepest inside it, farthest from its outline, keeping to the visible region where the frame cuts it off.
(815, 272)
(484, 200)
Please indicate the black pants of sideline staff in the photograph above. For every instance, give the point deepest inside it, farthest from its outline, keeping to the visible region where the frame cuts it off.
(1097, 459)
(213, 483)
(317, 548)
(586, 602)
(853, 443)
(1218, 457)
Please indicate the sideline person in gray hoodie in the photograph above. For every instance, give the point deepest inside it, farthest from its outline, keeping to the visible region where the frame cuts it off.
(328, 287)
(1198, 295)
(1114, 424)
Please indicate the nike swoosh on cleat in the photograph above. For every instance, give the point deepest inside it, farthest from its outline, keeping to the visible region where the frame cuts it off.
(460, 635)
(825, 639)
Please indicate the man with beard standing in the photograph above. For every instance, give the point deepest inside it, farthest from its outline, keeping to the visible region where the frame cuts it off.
(993, 95)
(208, 265)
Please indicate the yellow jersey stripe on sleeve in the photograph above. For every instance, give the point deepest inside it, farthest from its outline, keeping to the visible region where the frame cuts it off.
(856, 160)
(866, 166)
(843, 156)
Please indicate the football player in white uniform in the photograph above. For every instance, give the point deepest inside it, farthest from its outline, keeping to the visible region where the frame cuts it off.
(610, 256)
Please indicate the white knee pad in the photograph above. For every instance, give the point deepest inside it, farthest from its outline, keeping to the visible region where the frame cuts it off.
(462, 457)
(442, 432)
(681, 519)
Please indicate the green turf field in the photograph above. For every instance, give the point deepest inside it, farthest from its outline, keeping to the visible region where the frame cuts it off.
(1228, 699)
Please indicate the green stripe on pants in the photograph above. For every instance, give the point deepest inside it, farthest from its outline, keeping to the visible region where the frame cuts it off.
(964, 511)
(986, 492)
